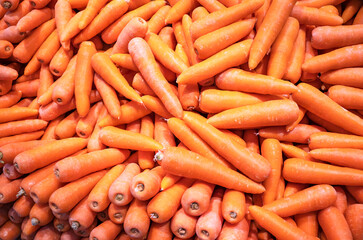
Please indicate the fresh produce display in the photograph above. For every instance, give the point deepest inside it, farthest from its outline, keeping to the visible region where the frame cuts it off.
(181, 119)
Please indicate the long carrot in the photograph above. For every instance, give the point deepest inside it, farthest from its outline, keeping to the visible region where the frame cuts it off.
(276, 225)
(309, 98)
(179, 9)
(269, 113)
(315, 16)
(22, 126)
(237, 55)
(302, 171)
(235, 154)
(169, 156)
(344, 76)
(66, 169)
(62, 14)
(233, 206)
(334, 140)
(346, 157)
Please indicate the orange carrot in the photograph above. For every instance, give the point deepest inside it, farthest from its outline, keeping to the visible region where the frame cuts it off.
(314, 16)
(137, 221)
(302, 171)
(179, 9)
(117, 213)
(346, 157)
(7, 74)
(62, 14)
(10, 172)
(238, 230)
(71, 29)
(233, 206)
(12, 17)
(347, 97)
(81, 217)
(10, 230)
(90, 12)
(354, 220)
(40, 215)
(16, 113)
(344, 76)
(33, 19)
(67, 126)
(22, 126)
(182, 224)
(332, 214)
(157, 21)
(23, 205)
(235, 154)
(66, 197)
(119, 192)
(41, 191)
(28, 88)
(147, 184)
(8, 192)
(60, 61)
(169, 156)
(86, 124)
(75, 167)
(168, 181)
(21, 137)
(6, 49)
(105, 230)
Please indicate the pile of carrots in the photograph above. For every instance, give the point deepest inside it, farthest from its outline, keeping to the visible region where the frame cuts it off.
(181, 119)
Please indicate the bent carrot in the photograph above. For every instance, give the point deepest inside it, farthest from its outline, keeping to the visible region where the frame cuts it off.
(302, 171)
(199, 167)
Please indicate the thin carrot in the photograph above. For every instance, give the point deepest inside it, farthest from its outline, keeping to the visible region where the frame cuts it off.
(276, 225)
(33, 19)
(8, 192)
(182, 224)
(172, 154)
(157, 21)
(217, 63)
(103, 65)
(110, 34)
(90, 12)
(85, 164)
(22, 126)
(332, 214)
(6, 49)
(164, 205)
(117, 213)
(66, 197)
(21, 137)
(235, 154)
(292, 151)
(81, 217)
(327, 125)
(352, 216)
(358, 19)
(351, 8)
(223, 18)
(119, 192)
(309, 98)
(344, 76)
(60, 61)
(156, 106)
(137, 221)
(40, 215)
(62, 14)
(302, 171)
(238, 230)
(105, 230)
(86, 124)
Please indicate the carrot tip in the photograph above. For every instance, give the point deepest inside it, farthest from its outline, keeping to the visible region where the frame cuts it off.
(194, 206)
(75, 225)
(140, 187)
(119, 197)
(35, 221)
(20, 193)
(158, 156)
(154, 215)
(59, 227)
(182, 231)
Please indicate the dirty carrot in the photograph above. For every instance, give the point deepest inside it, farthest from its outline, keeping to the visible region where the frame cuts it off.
(66, 169)
(302, 171)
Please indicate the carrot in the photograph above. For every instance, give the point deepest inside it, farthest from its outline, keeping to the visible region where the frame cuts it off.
(69, 235)
(60, 61)
(16, 113)
(233, 206)
(182, 224)
(90, 12)
(282, 48)
(86, 232)
(164, 205)
(22, 126)
(238, 230)
(124, 60)
(102, 216)
(356, 192)
(104, 18)
(62, 14)
(332, 214)
(40, 215)
(235, 154)
(6, 49)
(240, 80)
(110, 34)
(314, 16)
(344, 76)
(67, 126)
(144, 60)
(23, 205)
(257, 115)
(117, 213)
(61, 225)
(10, 171)
(12, 17)
(21, 137)
(103, 65)
(155, 105)
(157, 21)
(291, 151)
(28, 229)
(8, 192)
(137, 221)
(33, 19)
(354, 220)
(300, 134)
(12, 34)
(223, 17)
(28, 88)
(45, 80)
(217, 63)
(308, 95)
(169, 155)
(66, 197)
(41, 191)
(168, 181)
(86, 124)
(25, 102)
(106, 230)
(81, 217)
(9, 99)
(209, 224)
(7, 74)
(9, 5)
(50, 131)
(346, 157)
(308, 222)
(88, 163)
(341, 202)
(145, 160)
(347, 97)
(10, 230)
(167, 35)
(27, 48)
(179, 9)
(351, 8)
(159, 231)
(139, 84)
(358, 17)
(119, 192)
(301, 171)
(71, 29)
(327, 125)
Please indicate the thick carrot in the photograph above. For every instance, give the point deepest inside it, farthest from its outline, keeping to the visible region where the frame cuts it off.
(117, 213)
(209, 224)
(276, 225)
(136, 27)
(341, 230)
(60, 61)
(269, 113)
(86, 124)
(90, 12)
(72, 168)
(8, 192)
(302, 171)
(33, 19)
(41, 191)
(353, 217)
(16, 113)
(6, 49)
(223, 18)
(23, 205)
(45, 80)
(169, 156)
(98, 198)
(21, 126)
(238, 230)
(144, 60)
(66, 197)
(27, 48)
(81, 217)
(12, 34)
(182, 224)
(310, 97)
(10, 230)
(105, 230)
(137, 221)
(300, 134)
(103, 65)
(164, 205)
(347, 97)
(110, 34)
(237, 55)
(228, 148)
(9, 99)
(157, 21)
(8, 74)
(40, 214)
(119, 192)
(233, 206)
(67, 126)
(145, 158)
(315, 16)
(32, 159)
(346, 157)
